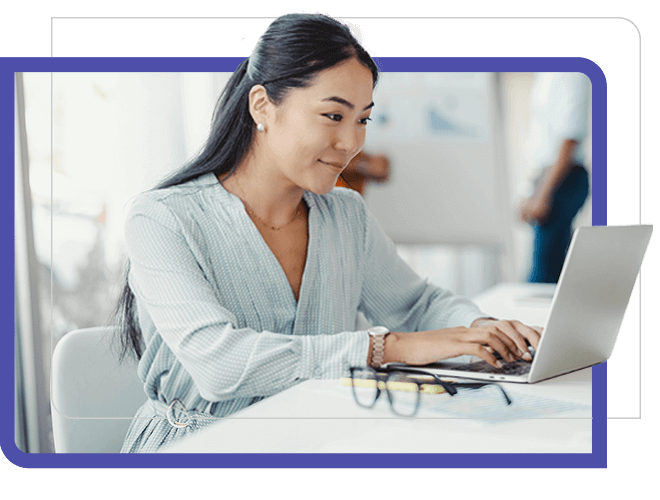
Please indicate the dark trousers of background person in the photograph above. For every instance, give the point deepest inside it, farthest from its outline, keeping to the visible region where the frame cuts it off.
(551, 239)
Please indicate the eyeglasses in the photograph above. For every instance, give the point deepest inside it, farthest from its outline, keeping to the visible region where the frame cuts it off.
(404, 386)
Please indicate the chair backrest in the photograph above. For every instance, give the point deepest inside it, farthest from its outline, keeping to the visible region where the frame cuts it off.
(93, 397)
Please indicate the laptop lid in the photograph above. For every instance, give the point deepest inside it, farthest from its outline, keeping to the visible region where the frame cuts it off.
(591, 298)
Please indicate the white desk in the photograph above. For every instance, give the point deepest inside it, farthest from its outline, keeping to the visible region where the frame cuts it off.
(320, 416)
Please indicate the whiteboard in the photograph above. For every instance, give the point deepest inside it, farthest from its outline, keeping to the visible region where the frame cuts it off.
(443, 135)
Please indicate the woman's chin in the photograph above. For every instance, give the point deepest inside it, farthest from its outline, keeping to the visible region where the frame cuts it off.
(322, 188)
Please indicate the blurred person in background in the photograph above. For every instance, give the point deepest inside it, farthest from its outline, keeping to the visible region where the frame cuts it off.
(560, 183)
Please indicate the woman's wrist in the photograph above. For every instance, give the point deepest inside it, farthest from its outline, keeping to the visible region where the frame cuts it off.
(392, 345)
(390, 354)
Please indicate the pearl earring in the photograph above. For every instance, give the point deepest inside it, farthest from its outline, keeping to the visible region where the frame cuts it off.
(260, 127)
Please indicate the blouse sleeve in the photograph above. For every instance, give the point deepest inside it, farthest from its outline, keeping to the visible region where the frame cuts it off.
(224, 361)
(394, 296)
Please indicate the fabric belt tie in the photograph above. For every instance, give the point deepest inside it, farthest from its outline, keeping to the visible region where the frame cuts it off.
(178, 416)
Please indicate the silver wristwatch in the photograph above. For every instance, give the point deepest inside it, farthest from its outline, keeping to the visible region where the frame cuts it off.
(378, 334)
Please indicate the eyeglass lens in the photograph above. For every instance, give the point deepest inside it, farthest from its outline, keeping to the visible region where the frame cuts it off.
(402, 390)
(365, 386)
(403, 393)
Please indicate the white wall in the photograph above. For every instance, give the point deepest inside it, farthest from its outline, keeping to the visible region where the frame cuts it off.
(446, 201)
(439, 133)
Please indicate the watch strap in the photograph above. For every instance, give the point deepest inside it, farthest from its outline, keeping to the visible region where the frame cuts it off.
(378, 345)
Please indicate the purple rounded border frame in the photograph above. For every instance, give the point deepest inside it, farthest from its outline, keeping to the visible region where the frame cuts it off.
(596, 459)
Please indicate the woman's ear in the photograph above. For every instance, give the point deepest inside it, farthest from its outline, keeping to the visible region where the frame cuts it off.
(259, 105)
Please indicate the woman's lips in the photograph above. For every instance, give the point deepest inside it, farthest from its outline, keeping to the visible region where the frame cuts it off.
(332, 164)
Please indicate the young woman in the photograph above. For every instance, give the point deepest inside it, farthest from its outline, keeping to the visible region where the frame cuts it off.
(247, 269)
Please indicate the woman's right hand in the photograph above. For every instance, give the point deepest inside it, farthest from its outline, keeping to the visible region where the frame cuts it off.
(421, 348)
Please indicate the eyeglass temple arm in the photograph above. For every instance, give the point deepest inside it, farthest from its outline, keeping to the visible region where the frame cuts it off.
(451, 387)
(478, 385)
(506, 396)
(445, 385)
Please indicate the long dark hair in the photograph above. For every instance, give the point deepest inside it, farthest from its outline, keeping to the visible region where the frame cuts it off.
(292, 51)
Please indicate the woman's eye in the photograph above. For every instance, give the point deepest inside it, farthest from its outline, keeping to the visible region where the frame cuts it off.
(335, 117)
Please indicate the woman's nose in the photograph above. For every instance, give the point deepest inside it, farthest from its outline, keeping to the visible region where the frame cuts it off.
(349, 139)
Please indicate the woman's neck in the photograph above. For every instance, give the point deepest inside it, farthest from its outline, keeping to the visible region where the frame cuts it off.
(274, 199)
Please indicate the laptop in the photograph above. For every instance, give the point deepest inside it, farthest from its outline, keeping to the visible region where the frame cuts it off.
(586, 312)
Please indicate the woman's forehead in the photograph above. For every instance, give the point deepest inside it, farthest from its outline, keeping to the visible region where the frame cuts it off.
(349, 84)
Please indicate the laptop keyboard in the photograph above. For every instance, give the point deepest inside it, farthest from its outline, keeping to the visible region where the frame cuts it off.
(520, 367)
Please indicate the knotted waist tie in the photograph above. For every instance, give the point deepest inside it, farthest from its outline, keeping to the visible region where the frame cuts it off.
(178, 416)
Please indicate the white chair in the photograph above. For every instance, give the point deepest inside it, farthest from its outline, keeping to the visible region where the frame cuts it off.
(93, 397)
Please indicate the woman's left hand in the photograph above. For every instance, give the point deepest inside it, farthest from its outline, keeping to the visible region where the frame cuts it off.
(516, 331)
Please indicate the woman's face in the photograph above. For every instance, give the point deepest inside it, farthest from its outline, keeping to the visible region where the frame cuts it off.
(316, 131)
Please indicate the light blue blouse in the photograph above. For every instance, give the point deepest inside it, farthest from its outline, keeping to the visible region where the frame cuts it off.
(221, 326)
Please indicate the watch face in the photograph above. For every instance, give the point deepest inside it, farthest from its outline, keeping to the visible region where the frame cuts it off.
(378, 330)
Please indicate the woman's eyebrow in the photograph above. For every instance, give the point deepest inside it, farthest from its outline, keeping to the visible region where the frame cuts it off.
(346, 103)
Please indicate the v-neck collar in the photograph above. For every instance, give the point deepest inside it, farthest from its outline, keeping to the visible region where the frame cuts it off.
(235, 205)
